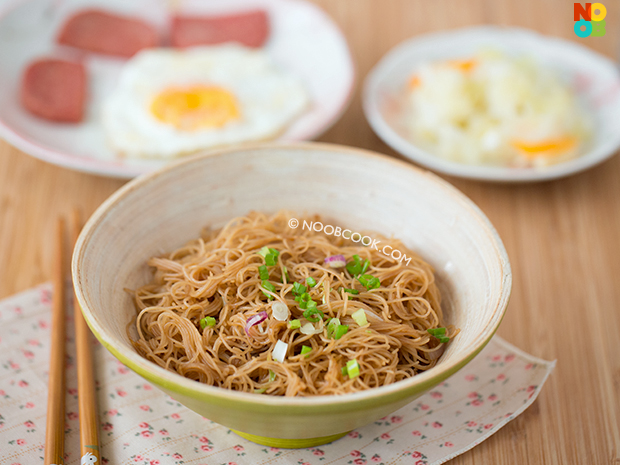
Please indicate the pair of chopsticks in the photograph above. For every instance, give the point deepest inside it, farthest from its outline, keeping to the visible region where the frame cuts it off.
(55, 431)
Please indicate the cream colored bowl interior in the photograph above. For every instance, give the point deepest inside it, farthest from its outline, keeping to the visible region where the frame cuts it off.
(361, 190)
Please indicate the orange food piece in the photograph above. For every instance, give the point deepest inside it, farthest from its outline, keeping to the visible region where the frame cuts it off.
(463, 65)
(414, 82)
(545, 148)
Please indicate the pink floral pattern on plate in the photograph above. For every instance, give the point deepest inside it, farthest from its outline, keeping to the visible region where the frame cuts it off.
(140, 425)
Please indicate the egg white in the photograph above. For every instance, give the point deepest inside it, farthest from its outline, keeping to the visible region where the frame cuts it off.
(268, 98)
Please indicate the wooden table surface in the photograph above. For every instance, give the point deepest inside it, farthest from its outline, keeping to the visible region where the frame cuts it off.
(563, 237)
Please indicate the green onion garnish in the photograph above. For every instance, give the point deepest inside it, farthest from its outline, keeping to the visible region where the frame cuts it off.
(369, 282)
(350, 291)
(270, 287)
(310, 281)
(353, 369)
(285, 278)
(355, 267)
(303, 300)
(306, 350)
(207, 321)
(270, 255)
(332, 326)
(440, 334)
(343, 370)
(264, 252)
(259, 391)
(298, 290)
(263, 272)
(437, 331)
(272, 376)
(365, 267)
(312, 310)
(341, 331)
(294, 324)
(360, 317)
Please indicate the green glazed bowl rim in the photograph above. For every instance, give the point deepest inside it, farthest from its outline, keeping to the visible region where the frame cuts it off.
(176, 383)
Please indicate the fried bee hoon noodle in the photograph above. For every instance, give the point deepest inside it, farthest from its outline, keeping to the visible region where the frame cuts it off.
(260, 307)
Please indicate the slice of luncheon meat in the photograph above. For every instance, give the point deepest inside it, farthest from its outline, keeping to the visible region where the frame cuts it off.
(107, 33)
(250, 28)
(54, 90)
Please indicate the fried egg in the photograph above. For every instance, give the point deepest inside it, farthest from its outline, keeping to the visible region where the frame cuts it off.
(172, 102)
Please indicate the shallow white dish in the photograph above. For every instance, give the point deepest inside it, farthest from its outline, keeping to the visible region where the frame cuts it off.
(596, 80)
(303, 40)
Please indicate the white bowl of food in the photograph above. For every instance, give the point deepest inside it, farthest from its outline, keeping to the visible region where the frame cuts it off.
(496, 104)
(221, 324)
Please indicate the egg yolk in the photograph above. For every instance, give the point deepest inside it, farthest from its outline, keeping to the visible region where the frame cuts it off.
(195, 107)
(546, 148)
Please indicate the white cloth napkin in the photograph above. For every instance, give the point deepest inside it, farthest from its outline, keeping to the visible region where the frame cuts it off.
(141, 425)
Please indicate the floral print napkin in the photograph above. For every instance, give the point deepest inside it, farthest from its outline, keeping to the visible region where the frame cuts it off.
(140, 425)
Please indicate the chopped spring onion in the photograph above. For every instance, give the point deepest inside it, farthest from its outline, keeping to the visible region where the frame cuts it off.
(436, 331)
(270, 287)
(303, 300)
(306, 350)
(350, 291)
(332, 326)
(263, 272)
(335, 261)
(207, 321)
(264, 252)
(280, 311)
(341, 331)
(360, 317)
(298, 290)
(285, 277)
(369, 282)
(310, 281)
(343, 370)
(440, 334)
(270, 255)
(255, 320)
(353, 369)
(259, 391)
(294, 324)
(311, 311)
(355, 267)
(272, 376)
(279, 351)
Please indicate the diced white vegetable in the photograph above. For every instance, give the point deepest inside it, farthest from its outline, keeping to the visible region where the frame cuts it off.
(280, 311)
(279, 351)
(360, 317)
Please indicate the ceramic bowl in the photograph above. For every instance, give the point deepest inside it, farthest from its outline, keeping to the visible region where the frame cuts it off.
(362, 190)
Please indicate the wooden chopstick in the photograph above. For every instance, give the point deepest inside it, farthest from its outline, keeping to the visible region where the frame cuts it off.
(89, 435)
(55, 429)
